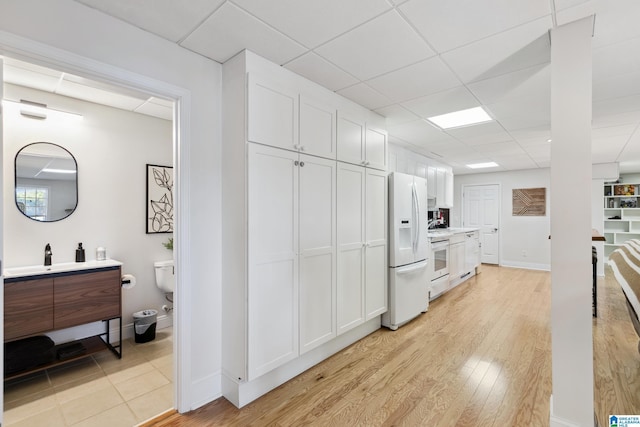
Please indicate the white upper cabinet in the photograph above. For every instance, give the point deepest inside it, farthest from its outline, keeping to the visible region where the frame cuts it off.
(272, 114)
(317, 128)
(351, 138)
(439, 187)
(376, 148)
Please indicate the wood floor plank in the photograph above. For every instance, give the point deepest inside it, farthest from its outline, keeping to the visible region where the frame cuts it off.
(480, 357)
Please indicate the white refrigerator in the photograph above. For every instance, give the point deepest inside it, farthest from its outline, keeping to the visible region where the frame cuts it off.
(408, 250)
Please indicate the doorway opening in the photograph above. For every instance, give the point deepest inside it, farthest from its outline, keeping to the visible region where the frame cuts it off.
(101, 382)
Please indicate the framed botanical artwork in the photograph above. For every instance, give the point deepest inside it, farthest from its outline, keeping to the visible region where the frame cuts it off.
(159, 199)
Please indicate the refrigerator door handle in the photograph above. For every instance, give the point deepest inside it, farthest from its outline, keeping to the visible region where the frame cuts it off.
(414, 228)
(413, 267)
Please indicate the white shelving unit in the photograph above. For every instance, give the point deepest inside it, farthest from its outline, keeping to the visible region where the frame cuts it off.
(621, 214)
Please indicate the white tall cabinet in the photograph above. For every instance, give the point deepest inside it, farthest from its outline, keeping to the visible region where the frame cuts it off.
(304, 236)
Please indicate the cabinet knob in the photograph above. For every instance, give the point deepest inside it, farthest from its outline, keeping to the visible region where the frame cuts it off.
(302, 148)
(301, 164)
(296, 163)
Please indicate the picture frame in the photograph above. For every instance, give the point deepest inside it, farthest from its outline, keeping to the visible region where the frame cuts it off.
(159, 210)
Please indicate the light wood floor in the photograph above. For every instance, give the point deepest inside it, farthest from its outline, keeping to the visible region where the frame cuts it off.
(479, 357)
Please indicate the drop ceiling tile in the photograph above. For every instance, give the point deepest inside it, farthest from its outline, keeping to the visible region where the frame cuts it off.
(541, 133)
(424, 78)
(532, 82)
(383, 44)
(98, 96)
(317, 69)
(609, 151)
(501, 149)
(580, 10)
(396, 114)
(516, 49)
(541, 151)
(484, 133)
(613, 60)
(606, 120)
(447, 101)
(616, 106)
(310, 22)
(29, 78)
(419, 132)
(518, 164)
(616, 86)
(524, 121)
(564, 4)
(453, 23)
(623, 130)
(171, 19)
(614, 22)
(365, 96)
(527, 143)
(230, 30)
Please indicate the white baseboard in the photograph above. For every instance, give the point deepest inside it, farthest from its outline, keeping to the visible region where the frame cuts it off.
(555, 421)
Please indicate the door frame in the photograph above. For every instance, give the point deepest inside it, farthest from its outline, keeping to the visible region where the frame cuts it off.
(464, 186)
(41, 54)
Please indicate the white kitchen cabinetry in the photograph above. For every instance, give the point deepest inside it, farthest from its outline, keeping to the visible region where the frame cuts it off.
(456, 257)
(472, 250)
(317, 128)
(440, 187)
(279, 209)
(362, 245)
(272, 114)
(360, 144)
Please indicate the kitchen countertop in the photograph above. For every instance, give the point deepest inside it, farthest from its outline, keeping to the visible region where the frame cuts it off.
(456, 230)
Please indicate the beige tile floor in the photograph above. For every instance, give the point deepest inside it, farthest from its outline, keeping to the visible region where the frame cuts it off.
(100, 390)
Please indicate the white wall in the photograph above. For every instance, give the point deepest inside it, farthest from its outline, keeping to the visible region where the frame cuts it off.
(77, 32)
(517, 233)
(111, 148)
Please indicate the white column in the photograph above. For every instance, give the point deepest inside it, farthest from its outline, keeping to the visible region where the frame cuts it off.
(571, 335)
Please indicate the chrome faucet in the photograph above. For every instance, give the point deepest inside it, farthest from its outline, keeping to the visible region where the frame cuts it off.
(47, 255)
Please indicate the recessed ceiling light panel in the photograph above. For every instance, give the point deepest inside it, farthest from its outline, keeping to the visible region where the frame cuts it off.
(483, 165)
(471, 116)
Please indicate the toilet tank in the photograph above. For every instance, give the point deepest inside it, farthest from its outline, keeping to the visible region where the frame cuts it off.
(165, 275)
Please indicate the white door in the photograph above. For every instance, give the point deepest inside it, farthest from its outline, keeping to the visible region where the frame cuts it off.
(351, 241)
(376, 148)
(376, 244)
(272, 114)
(350, 139)
(317, 251)
(317, 128)
(481, 205)
(273, 259)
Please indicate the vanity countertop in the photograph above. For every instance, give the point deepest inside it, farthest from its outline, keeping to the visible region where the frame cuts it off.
(63, 267)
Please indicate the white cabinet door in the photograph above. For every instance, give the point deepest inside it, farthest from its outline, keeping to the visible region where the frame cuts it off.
(471, 250)
(350, 138)
(440, 187)
(376, 148)
(376, 267)
(272, 114)
(317, 128)
(317, 251)
(351, 241)
(457, 260)
(432, 182)
(272, 305)
(448, 189)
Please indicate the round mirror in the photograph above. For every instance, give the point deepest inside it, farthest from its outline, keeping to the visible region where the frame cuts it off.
(46, 182)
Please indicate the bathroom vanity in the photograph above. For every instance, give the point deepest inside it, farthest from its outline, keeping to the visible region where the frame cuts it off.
(41, 299)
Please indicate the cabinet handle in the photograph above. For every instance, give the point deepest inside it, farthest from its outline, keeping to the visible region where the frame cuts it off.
(301, 164)
(296, 163)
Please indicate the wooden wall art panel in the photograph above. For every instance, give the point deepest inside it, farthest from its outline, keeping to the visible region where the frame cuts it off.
(529, 201)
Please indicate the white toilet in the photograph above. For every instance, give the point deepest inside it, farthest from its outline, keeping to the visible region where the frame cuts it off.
(165, 279)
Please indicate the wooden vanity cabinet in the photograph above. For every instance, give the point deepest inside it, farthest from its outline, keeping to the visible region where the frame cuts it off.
(28, 307)
(34, 305)
(85, 298)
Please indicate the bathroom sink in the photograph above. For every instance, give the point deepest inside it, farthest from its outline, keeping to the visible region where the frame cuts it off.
(39, 270)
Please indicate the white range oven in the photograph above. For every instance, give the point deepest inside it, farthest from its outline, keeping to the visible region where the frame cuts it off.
(439, 265)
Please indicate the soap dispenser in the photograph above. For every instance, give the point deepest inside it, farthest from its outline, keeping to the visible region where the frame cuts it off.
(80, 253)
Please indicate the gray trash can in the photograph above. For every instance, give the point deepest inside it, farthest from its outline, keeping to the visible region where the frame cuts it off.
(144, 325)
